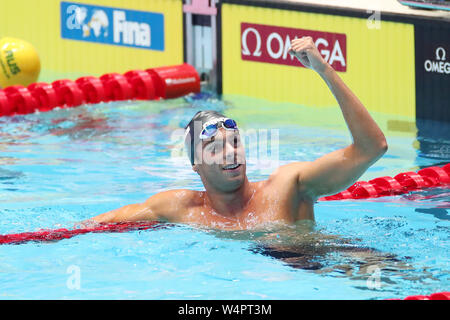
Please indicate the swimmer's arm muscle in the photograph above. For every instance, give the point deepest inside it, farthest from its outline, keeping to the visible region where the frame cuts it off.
(157, 207)
(332, 172)
(130, 213)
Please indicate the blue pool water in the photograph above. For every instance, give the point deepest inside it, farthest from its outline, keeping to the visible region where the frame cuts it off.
(64, 166)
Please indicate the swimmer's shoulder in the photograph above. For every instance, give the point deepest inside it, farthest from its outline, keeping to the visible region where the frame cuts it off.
(287, 173)
(171, 205)
(286, 184)
(288, 178)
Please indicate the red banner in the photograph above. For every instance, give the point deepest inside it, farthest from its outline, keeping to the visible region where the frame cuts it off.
(270, 44)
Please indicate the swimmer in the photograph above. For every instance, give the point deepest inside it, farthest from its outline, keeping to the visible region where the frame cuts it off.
(230, 201)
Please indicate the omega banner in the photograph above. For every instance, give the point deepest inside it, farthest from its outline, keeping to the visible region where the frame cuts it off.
(255, 42)
(432, 50)
(270, 44)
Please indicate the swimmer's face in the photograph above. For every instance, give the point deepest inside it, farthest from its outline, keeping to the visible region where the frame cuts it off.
(222, 160)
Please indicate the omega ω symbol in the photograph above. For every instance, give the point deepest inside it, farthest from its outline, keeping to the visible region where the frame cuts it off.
(440, 50)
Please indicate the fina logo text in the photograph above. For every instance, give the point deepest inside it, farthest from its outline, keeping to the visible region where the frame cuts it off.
(112, 26)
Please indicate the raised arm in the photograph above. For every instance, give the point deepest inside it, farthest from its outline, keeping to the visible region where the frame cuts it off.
(341, 168)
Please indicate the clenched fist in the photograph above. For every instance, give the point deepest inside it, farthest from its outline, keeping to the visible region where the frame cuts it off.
(306, 52)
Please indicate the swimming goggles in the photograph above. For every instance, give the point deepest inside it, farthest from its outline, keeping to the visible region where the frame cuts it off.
(211, 128)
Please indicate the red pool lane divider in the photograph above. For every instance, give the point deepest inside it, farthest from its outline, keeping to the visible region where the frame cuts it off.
(172, 82)
(150, 84)
(433, 296)
(401, 183)
(59, 234)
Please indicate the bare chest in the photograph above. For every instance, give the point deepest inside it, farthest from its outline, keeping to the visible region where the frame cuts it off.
(266, 206)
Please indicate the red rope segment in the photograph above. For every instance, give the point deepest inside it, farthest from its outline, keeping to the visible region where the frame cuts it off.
(151, 84)
(433, 296)
(401, 183)
(59, 234)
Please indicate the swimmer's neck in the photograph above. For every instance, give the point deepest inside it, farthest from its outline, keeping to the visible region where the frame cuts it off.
(229, 204)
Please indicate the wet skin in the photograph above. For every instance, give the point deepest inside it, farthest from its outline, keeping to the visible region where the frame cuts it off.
(248, 204)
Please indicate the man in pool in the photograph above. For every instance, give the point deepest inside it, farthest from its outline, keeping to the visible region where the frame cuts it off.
(230, 201)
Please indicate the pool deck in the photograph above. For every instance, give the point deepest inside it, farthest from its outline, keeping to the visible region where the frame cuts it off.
(387, 6)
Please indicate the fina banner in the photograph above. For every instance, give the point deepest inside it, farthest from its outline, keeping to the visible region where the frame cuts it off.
(113, 26)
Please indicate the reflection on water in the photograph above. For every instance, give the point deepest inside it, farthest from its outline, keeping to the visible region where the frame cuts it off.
(302, 246)
(434, 138)
(433, 201)
(438, 213)
(84, 126)
(7, 175)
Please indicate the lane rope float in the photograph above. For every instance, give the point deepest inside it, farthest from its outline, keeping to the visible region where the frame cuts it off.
(434, 296)
(390, 186)
(47, 235)
(150, 84)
